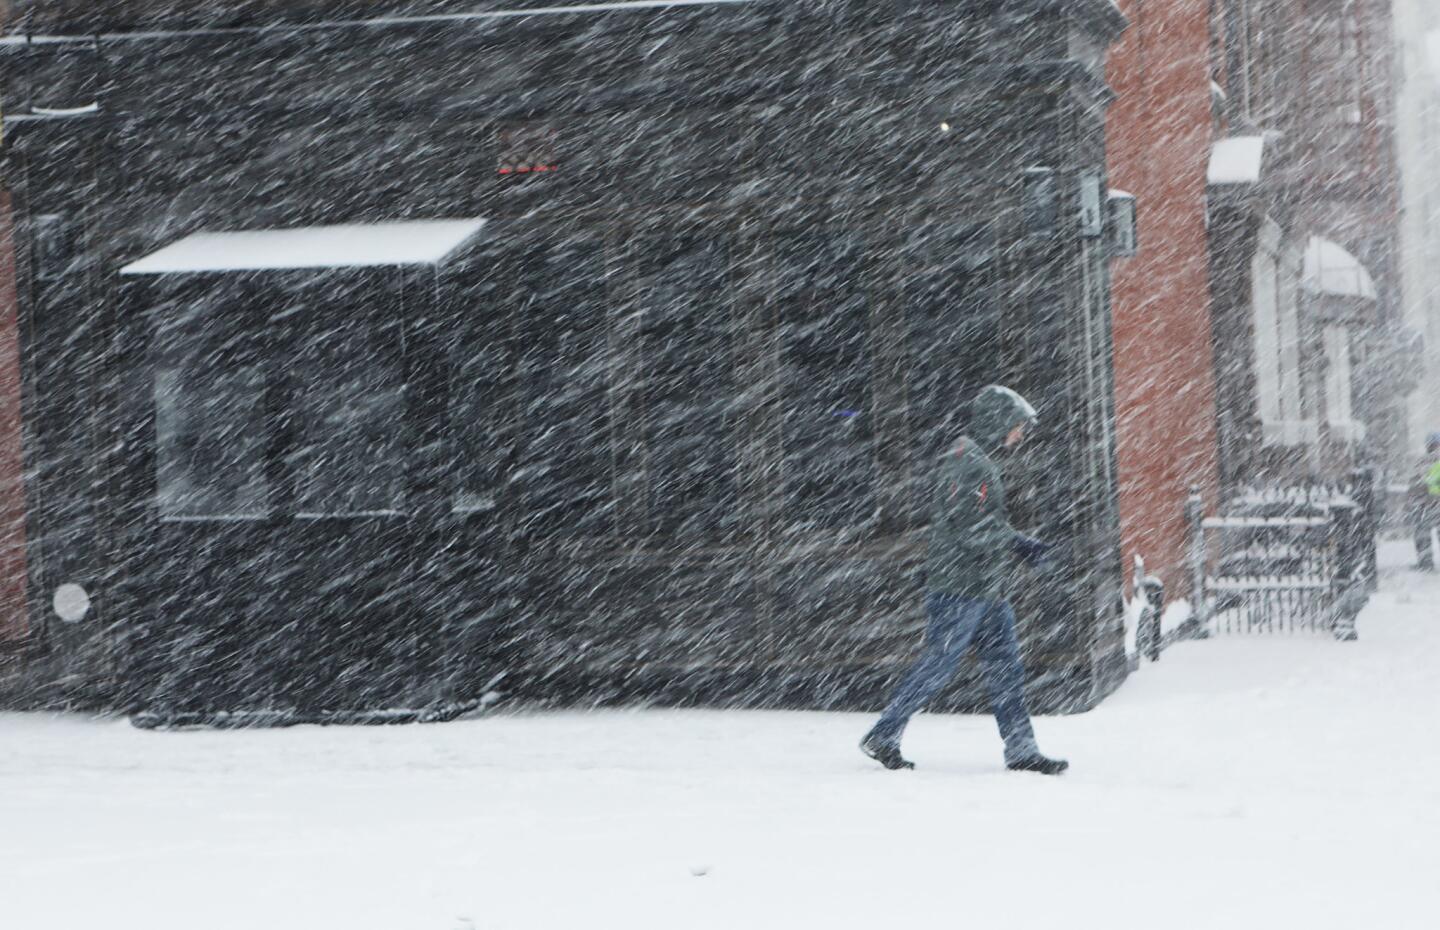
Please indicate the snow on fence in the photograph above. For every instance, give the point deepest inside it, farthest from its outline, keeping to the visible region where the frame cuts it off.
(1285, 559)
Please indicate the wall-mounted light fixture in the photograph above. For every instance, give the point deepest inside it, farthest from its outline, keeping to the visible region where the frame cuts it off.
(1039, 201)
(1124, 234)
(1092, 206)
(71, 602)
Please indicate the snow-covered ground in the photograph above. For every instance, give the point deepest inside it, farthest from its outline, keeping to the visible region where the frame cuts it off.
(1241, 782)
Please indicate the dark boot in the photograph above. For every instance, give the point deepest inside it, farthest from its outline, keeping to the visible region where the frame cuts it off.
(1424, 555)
(1037, 762)
(884, 751)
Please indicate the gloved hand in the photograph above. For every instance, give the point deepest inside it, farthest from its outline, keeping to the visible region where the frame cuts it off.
(1033, 551)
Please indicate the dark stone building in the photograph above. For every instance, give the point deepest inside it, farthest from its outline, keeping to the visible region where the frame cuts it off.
(645, 423)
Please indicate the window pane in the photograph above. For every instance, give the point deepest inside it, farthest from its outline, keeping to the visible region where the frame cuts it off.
(350, 408)
(828, 466)
(1288, 310)
(56, 246)
(210, 424)
(562, 471)
(955, 337)
(1269, 380)
(690, 390)
(1337, 376)
(478, 361)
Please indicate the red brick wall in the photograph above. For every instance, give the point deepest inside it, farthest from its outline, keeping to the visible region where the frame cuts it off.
(12, 486)
(1159, 138)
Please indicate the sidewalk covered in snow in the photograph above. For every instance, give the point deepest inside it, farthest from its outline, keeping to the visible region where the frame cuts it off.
(1242, 781)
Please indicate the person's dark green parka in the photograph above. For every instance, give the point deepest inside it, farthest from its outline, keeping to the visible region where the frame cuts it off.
(972, 544)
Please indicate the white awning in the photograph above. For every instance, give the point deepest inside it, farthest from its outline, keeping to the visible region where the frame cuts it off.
(356, 245)
(1236, 160)
(1332, 271)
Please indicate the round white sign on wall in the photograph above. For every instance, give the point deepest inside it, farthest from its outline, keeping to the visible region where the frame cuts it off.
(71, 603)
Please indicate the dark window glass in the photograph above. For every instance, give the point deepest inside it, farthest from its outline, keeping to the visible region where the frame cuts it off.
(690, 393)
(56, 240)
(210, 424)
(479, 359)
(956, 339)
(349, 402)
(828, 471)
(1041, 201)
(562, 467)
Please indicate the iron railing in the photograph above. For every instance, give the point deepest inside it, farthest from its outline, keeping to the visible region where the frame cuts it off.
(1284, 559)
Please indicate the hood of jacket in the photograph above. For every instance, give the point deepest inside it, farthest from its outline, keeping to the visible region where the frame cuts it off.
(994, 412)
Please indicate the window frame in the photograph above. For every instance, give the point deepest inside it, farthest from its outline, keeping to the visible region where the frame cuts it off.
(1276, 342)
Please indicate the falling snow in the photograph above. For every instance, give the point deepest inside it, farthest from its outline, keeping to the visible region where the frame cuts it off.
(597, 395)
(1239, 782)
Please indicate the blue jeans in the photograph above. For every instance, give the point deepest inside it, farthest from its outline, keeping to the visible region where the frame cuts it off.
(955, 624)
(1426, 519)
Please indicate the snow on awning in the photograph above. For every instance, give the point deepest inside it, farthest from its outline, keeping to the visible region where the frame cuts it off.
(1334, 272)
(1236, 160)
(351, 245)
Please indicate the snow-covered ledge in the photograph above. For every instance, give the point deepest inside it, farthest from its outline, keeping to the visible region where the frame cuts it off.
(350, 245)
(1290, 432)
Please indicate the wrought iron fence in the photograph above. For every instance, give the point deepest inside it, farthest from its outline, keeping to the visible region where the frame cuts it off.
(1284, 559)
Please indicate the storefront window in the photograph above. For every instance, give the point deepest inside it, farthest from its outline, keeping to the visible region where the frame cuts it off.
(348, 395)
(690, 393)
(477, 403)
(529, 390)
(956, 337)
(828, 467)
(210, 425)
(562, 470)
(56, 246)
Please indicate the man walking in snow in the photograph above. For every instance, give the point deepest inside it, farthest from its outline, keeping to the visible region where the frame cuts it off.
(969, 565)
(1425, 501)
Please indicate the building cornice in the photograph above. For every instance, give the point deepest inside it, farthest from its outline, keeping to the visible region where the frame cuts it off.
(85, 20)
